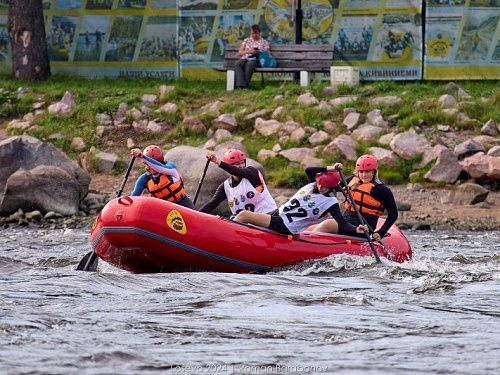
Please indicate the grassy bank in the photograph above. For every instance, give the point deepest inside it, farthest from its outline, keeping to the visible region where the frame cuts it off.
(104, 95)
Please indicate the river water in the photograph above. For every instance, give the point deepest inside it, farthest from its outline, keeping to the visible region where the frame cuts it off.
(438, 313)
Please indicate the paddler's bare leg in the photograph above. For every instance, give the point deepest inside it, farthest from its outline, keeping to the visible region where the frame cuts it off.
(327, 226)
(255, 218)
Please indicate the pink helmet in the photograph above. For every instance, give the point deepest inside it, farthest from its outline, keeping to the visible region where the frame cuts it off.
(234, 156)
(154, 152)
(366, 163)
(328, 179)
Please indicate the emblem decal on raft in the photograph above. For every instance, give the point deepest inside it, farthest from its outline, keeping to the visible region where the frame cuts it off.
(176, 222)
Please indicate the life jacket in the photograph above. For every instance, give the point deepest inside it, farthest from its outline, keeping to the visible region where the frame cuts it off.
(166, 189)
(361, 193)
(246, 197)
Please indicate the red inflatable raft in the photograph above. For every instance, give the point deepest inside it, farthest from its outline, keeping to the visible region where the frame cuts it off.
(142, 234)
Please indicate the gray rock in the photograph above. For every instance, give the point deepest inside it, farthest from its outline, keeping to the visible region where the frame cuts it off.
(330, 127)
(482, 167)
(78, 144)
(385, 157)
(193, 124)
(409, 144)
(375, 118)
(221, 135)
(467, 148)
(487, 141)
(254, 115)
(402, 206)
(465, 194)
(367, 133)
(51, 189)
(345, 145)
(343, 100)
(494, 151)
(490, 128)
(169, 108)
(263, 155)
(318, 138)
(268, 127)
(105, 161)
(278, 112)
(386, 139)
(149, 99)
(389, 101)
(446, 169)
(451, 88)
(447, 101)
(225, 121)
(353, 119)
(329, 91)
(25, 152)
(34, 216)
(307, 99)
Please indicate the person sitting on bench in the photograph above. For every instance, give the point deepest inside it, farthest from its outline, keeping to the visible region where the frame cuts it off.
(248, 52)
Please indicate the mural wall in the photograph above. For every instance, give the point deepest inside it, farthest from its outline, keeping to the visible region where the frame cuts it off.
(382, 37)
(462, 39)
(173, 38)
(96, 38)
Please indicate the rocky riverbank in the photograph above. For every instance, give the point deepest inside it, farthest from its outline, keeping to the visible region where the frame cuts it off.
(443, 139)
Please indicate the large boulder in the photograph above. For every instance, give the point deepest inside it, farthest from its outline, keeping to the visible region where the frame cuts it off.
(45, 188)
(446, 169)
(190, 162)
(345, 145)
(409, 144)
(27, 153)
(482, 167)
(468, 193)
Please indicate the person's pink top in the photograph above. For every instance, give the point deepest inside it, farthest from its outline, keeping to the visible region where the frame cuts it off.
(251, 43)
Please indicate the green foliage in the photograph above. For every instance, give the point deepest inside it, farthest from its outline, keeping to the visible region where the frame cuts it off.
(401, 174)
(281, 173)
(119, 167)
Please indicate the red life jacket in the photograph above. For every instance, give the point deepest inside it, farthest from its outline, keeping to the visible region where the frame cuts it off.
(166, 189)
(366, 203)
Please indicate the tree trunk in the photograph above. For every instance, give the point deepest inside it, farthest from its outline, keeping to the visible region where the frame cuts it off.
(27, 36)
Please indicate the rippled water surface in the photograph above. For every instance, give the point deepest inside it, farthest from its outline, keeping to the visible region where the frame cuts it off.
(436, 314)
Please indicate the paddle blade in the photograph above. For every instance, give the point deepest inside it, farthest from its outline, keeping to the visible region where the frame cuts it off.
(88, 263)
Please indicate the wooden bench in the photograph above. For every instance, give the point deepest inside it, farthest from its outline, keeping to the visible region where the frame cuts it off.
(305, 59)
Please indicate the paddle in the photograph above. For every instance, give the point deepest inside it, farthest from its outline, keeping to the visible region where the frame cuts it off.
(90, 260)
(360, 217)
(201, 182)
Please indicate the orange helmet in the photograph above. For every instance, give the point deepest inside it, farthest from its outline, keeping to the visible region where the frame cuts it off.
(234, 156)
(366, 163)
(328, 179)
(154, 152)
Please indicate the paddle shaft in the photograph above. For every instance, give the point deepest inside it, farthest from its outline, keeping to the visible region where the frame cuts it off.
(93, 257)
(360, 217)
(201, 182)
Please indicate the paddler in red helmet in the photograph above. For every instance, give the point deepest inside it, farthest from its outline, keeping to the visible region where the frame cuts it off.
(162, 180)
(307, 207)
(245, 189)
(372, 197)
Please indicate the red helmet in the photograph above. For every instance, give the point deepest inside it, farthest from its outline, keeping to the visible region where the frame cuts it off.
(366, 163)
(234, 156)
(328, 179)
(154, 152)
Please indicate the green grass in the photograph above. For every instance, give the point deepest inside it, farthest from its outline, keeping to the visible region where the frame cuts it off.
(104, 95)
